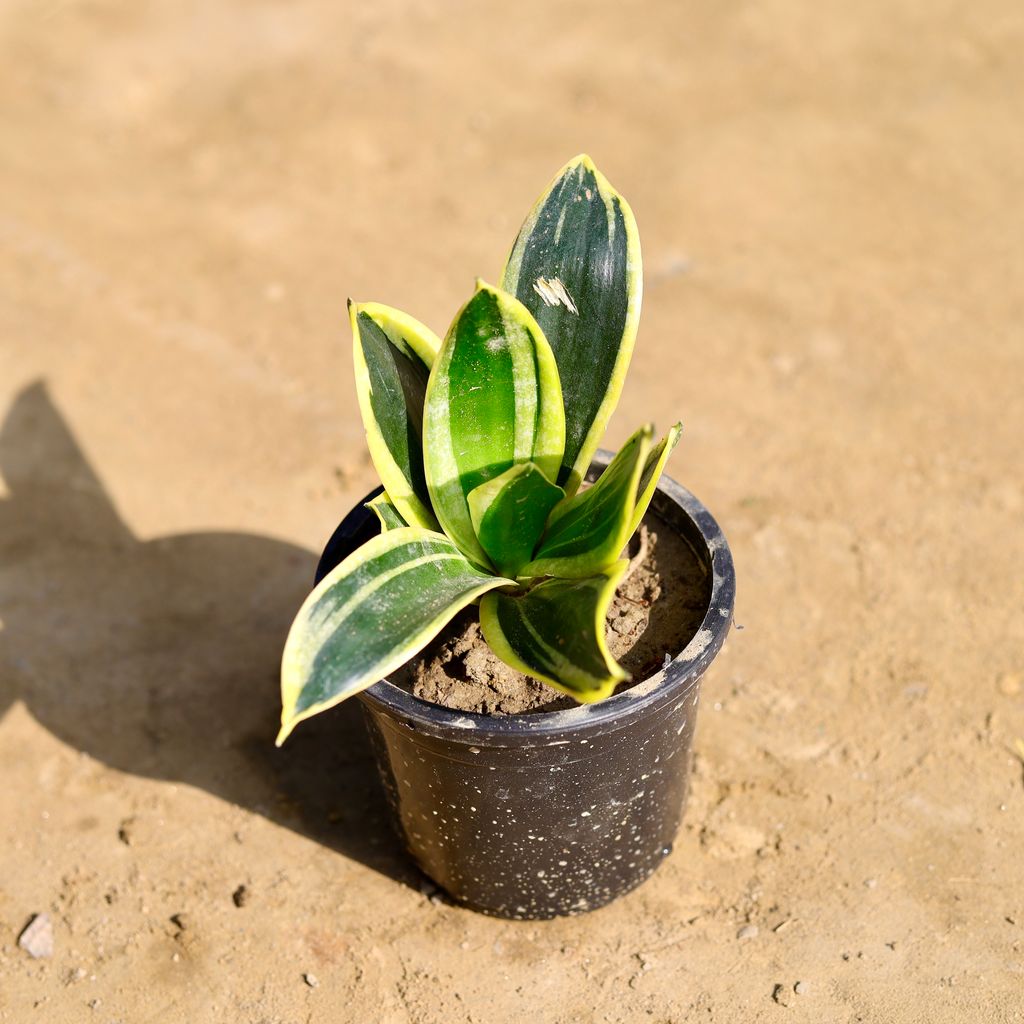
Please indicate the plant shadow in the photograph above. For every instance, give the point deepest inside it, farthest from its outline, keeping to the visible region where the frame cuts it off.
(160, 657)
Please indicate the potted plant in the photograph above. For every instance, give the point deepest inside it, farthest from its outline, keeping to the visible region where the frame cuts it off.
(484, 442)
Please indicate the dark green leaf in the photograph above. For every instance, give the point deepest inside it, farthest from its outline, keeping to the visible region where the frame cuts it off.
(588, 531)
(654, 465)
(509, 513)
(576, 266)
(393, 354)
(492, 402)
(555, 632)
(370, 614)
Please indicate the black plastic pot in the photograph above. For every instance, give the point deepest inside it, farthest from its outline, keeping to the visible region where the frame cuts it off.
(545, 814)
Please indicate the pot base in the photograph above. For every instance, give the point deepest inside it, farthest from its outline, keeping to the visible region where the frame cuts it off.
(561, 827)
(549, 914)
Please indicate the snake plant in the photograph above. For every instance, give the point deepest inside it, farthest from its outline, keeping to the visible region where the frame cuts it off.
(481, 441)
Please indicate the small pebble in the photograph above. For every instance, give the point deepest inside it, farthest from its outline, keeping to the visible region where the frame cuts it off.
(1011, 683)
(748, 931)
(240, 896)
(95, 1004)
(37, 937)
(801, 988)
(870, 883)
(311, 980)
(782, 995)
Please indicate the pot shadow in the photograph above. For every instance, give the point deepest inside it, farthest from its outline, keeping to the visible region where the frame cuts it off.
(160, 658)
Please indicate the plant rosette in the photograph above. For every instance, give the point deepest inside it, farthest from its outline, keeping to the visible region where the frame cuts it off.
(482, 442)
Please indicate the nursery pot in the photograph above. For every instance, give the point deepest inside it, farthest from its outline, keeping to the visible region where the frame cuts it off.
(546, 814)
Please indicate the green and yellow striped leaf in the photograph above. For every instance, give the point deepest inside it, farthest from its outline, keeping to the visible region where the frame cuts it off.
(589, 530)
(384, 509)
(509, 513)
(654, 466)
(555, 632)
(370, 614)
(493, 401)
(576, 266)
(393, 354)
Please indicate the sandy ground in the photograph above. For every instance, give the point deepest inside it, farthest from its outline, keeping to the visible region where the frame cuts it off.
(831, 199)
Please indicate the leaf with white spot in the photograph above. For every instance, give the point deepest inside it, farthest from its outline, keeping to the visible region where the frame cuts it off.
(576, 266)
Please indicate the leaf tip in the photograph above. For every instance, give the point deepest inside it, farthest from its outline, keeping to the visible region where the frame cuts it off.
(285, 731)
(583, 160)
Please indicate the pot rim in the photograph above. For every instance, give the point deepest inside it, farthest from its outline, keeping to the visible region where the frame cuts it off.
(669, 683)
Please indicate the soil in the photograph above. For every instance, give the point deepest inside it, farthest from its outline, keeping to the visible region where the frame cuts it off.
(657, 608)
(829, 197)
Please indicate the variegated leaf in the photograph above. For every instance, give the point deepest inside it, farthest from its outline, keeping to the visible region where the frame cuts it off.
(588, 531)
(555, 632)
(654, 466)
(393, 354)
(370, 614)
(493, 401)
(384, 509)
(576, 266)
(509, 513)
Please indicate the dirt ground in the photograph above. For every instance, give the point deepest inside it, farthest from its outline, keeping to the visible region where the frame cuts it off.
(831, 200)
